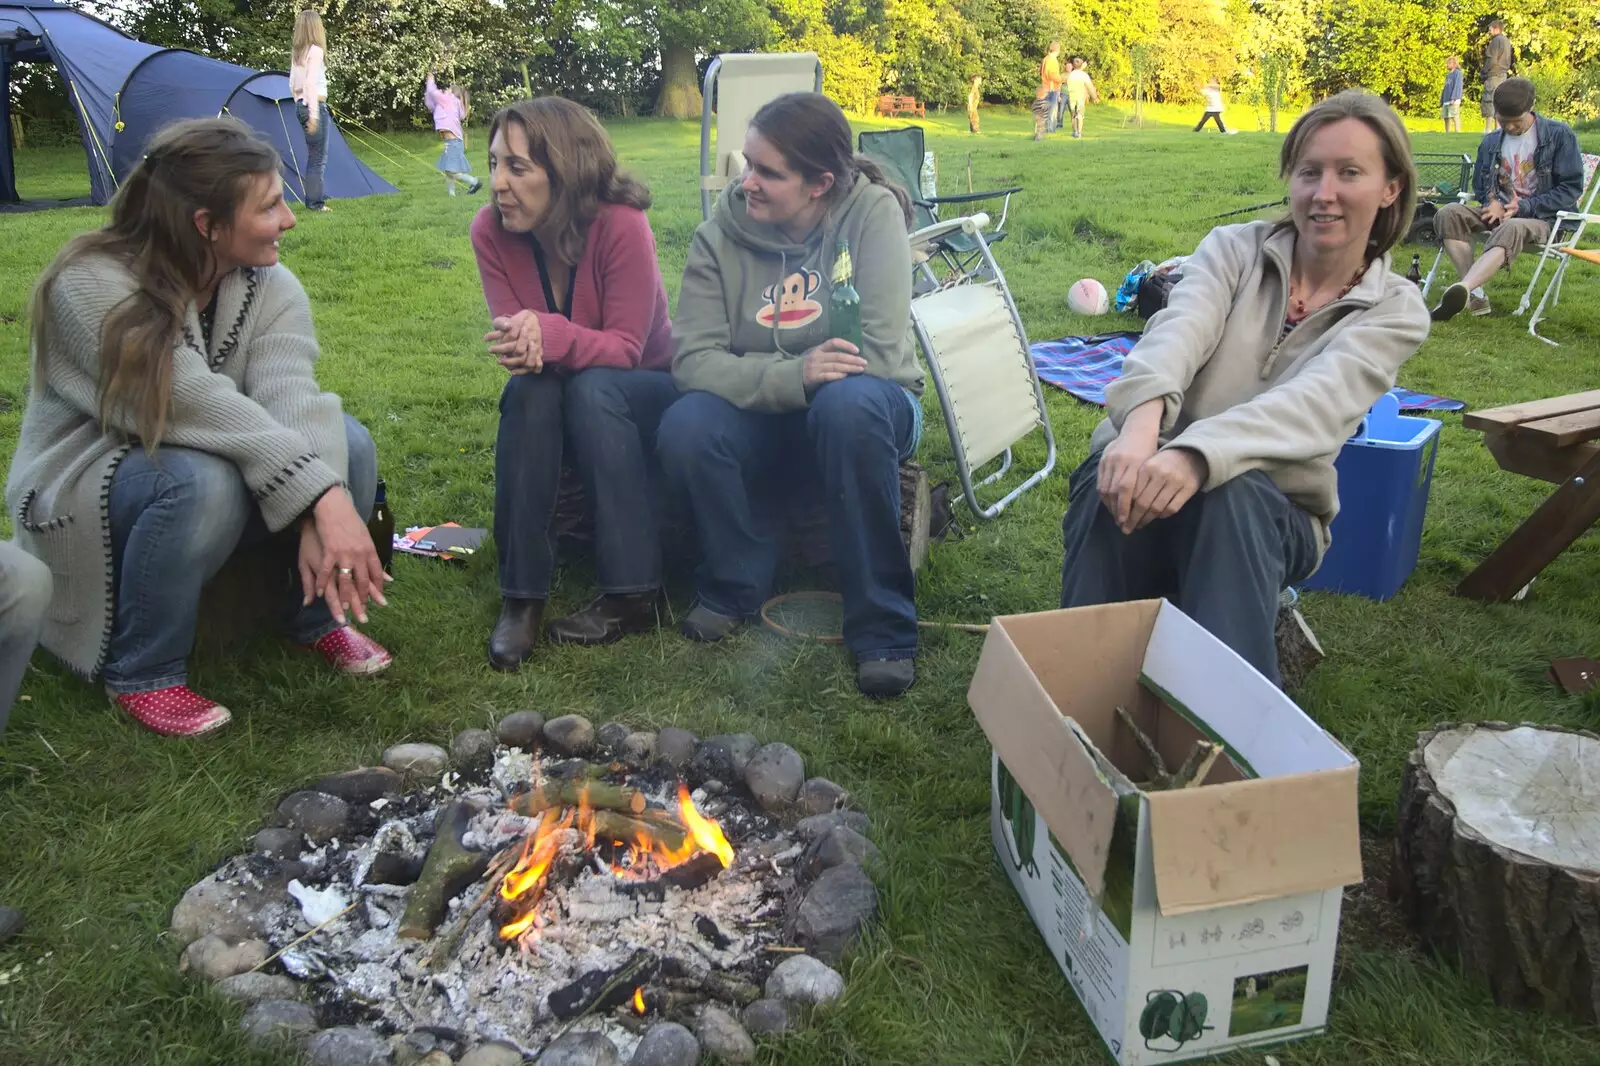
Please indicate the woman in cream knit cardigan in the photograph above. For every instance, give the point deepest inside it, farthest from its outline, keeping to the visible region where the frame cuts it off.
(174, 415)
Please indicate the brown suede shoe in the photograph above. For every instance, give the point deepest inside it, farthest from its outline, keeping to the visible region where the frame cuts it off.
(511, 643)
(607, 620)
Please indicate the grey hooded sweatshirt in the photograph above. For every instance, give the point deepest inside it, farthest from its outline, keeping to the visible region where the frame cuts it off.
(753, 302)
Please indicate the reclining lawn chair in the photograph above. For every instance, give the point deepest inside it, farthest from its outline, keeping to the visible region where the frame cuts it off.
(900, 153)
(977, 353)
(737, 85)
(1562, 246)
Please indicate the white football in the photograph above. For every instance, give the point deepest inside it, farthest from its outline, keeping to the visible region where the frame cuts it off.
(1088, 297)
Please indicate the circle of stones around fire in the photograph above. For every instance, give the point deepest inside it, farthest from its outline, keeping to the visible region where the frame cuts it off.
(221, 918)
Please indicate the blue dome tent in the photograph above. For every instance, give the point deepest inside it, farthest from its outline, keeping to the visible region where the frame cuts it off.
(123, 91)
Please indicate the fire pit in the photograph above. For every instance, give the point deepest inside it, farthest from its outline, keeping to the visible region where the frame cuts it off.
(550, 889)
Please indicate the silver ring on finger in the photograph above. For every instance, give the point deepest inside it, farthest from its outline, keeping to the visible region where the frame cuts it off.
(345, 571)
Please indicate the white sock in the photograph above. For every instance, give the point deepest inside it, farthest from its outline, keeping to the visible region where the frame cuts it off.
(1478, 292)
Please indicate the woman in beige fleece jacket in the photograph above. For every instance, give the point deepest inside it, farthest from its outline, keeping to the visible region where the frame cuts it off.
(1211, 481)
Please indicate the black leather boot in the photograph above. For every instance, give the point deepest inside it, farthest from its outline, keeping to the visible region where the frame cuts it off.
(514, 634)
(607, 620)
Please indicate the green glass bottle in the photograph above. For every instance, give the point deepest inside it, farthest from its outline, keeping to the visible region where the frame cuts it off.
(844, 302)
(381, 526)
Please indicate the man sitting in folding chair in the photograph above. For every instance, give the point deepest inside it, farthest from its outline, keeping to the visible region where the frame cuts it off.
(1211, 482)
(1527, 170)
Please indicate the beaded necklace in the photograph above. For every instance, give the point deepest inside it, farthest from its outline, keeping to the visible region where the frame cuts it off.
(1297, 304)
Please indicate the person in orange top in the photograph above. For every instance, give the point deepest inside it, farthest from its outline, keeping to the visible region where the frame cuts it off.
(1050, 86)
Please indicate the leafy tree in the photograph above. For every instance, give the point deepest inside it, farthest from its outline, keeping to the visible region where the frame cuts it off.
(687, 27)
(1195, 43)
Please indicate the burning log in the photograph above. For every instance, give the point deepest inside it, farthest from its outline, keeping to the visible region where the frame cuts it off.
(612, 825)
(599, 795)
(603, 989)
(450, 867)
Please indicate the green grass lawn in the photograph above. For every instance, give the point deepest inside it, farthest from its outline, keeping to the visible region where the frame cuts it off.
(103, 825)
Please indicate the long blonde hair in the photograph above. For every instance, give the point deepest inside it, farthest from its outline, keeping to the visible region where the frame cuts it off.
(204, 164)
(308, 31)
(1393, 221)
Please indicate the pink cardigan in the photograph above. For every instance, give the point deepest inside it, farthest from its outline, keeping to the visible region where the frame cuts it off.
(619, 305)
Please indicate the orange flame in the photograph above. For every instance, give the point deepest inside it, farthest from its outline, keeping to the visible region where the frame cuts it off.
(705, 833)
(638, 1000)
(524, 883)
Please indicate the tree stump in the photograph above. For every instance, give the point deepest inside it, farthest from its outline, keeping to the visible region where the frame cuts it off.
(1497, 859)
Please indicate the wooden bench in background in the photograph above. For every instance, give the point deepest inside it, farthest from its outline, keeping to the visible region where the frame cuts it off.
(900, 105)
(1552, 440)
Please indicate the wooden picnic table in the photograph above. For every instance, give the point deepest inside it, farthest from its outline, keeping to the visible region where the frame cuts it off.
(1552, 440)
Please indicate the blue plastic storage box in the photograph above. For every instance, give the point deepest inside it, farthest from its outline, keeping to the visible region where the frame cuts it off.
(1385, 471)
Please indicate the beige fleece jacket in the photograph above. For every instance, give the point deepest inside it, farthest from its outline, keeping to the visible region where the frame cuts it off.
(1246, 397)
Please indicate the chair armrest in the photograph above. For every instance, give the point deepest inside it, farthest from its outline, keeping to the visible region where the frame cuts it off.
(970, 197)
(940, 230)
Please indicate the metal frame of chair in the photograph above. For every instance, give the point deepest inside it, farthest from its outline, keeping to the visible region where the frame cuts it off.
(1564, 236)
(957, 250)
(961, 327)
(761, 78)
(1463, 193)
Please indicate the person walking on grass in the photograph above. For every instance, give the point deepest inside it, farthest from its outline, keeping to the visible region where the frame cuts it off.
(1050, 86)
(1450, 96)
(1498, 58)
(1527, 170)
(174, 417)
(1211, 480)
(1213, 96)
(308, 83)
(1079, 91)
(449, 107)
(974, 100)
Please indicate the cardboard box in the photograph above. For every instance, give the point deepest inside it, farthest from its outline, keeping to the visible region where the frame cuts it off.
(1189, 922)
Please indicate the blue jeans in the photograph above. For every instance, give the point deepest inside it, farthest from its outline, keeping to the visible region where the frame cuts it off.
(736, 468)
(1054, 102)
(175, 519)
(1223, 559)
(608, 418)
(24, 598)
(316, 152)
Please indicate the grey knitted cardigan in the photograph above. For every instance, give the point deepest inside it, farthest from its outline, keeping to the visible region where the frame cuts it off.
(250, 397)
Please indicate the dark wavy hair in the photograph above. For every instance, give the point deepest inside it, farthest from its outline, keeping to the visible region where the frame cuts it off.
(813, 136)
(570, 145)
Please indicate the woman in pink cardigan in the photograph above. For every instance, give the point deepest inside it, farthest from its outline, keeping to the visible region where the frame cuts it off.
(579, 321)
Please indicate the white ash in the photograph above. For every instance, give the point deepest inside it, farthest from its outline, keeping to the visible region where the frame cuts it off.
(589, 923)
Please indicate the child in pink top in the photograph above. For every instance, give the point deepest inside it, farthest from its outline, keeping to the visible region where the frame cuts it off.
(449, 107)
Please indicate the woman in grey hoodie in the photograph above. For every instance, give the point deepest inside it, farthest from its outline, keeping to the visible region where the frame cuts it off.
(1211, 481)
(779, 387)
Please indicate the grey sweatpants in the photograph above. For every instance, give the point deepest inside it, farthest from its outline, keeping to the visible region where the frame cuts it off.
(1223, 559)
(24, 598)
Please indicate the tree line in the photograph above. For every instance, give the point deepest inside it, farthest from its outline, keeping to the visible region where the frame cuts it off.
(626, 57)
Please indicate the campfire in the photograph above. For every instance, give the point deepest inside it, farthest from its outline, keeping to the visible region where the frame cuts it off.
(544, 891)
(636, 844)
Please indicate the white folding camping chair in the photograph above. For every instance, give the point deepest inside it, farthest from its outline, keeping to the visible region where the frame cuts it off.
(1565, 234)
(737, 85)
(977, 353)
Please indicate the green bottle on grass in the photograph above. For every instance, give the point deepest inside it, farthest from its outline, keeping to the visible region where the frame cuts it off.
(844, 302)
